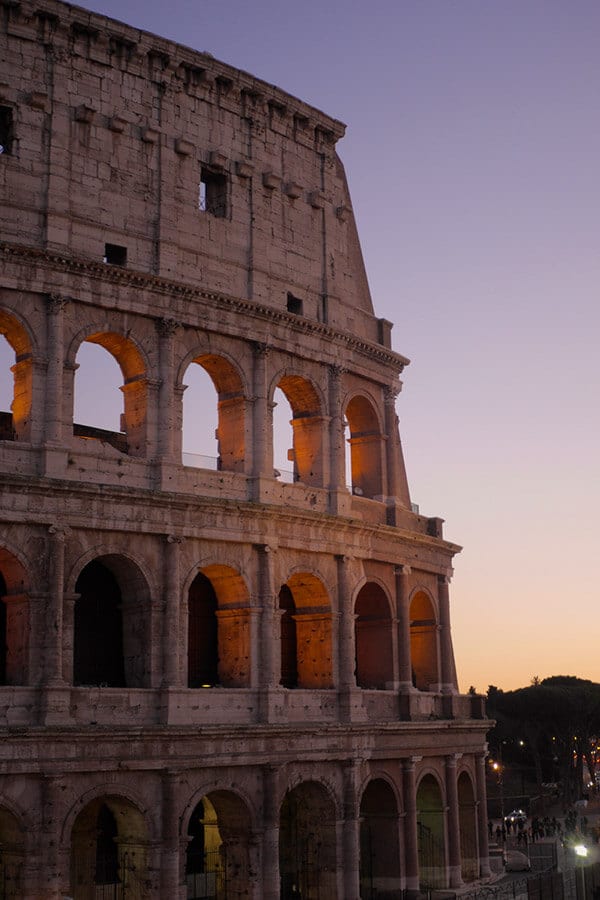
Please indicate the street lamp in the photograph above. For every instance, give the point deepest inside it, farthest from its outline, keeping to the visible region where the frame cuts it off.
(497, 767)
(582, 851)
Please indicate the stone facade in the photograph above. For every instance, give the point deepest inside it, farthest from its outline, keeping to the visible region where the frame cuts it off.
(217, 683)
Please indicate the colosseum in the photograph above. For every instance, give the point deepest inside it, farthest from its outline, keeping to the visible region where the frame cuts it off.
(218, 678)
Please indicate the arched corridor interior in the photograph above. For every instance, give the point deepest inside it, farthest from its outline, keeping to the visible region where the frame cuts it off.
(203, 654)
(431, 834)
(109, 851)
(380, 877)
(424, 643)
(373, 630)
(467, 811)
(365, 443)
(12, 856)
(289, 643)
(307, 844)
(98, 628)
(218, 850)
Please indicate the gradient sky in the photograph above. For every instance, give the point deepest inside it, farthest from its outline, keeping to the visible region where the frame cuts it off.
(472, 152)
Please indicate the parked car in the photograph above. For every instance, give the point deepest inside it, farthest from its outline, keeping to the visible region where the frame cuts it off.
(516, 817)
(515, 861)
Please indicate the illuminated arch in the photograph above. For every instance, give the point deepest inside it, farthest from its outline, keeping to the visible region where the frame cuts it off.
(373, 638)
(218, 628)
(16, 423)
(366, 447)
(431, 833)
(231, 398)
(308, 428)
(133, 437)
(424, 642)
(306, 633)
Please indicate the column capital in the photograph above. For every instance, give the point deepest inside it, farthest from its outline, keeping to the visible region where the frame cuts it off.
(446, 578)
(167, 327)
(59, 532)
(402, 570)
(55, 303)
(390, 392)
(261, 349)
(175, 539)
(337, 371)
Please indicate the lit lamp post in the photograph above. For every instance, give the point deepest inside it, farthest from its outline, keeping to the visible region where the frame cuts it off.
(497, 767)
(582, 851)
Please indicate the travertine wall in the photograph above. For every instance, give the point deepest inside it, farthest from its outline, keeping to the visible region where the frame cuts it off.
(208, 668)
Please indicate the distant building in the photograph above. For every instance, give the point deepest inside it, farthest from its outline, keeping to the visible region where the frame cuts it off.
(217, 682)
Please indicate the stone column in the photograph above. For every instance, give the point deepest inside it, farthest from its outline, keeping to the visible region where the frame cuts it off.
(397, 483)
(337, 486)
(453, 822)
(351, 833)
(53, 432)
(173, 648)
(53, 651)
(168, 437)
(270, 848)
(448, 680)
(51, 885)
(171, 880)
(262, 427)
(402, 575)
(347, 688)
(482, 832)
(411, 842)
(269, 651)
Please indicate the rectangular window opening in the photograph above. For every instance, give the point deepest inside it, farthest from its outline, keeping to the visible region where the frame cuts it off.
(294, 305)
(115, 255)
(212, 196)
(6, 129)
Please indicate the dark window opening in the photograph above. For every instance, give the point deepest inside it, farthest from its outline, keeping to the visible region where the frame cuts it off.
(98, 639)
(212, 196)
(294, 305)
(203, 654)
(115, 255)
(195, 850)
(6, 129)
(107, 851)
(289, 641)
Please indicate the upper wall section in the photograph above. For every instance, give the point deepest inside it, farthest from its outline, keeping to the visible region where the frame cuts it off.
(125, 147)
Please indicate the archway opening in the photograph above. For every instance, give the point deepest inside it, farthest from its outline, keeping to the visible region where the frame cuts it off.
(111, 623)
(16, 380)
(12, 855)
(306, 626)
(379, 843)
(373, 630)
(424, 643)
(289, 643)
(431, 834)
(304, 457)
(366, 448)
(203, 652)
(109, 851)
(213, 415)
(307, 844)
(467, 812)
(14, 621)
(115, 412)
(218, 853)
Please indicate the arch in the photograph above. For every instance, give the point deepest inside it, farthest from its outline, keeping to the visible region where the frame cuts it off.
(373, 638)
(12, 853)
(218, 628)
(424, 642)
(380, 873)
(111, 632)
(366, 447)
(15, 623)
(307, 451)
(306, 633)
(109, 849)
(132, 438)
(307, 843)
(231, 410)
(15, 423)
(431, 833)
(218, 853)
(467, 816)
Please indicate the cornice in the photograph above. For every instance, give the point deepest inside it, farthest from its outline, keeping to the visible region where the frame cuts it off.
(157, 284)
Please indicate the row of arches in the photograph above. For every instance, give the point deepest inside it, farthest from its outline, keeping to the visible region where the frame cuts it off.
(226, 847)
(110, 629)
(217, 410)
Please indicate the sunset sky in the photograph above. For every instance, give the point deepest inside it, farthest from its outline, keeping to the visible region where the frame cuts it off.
(473, 156)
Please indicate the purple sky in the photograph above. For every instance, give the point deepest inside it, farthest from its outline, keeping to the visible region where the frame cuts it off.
(472, 152)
